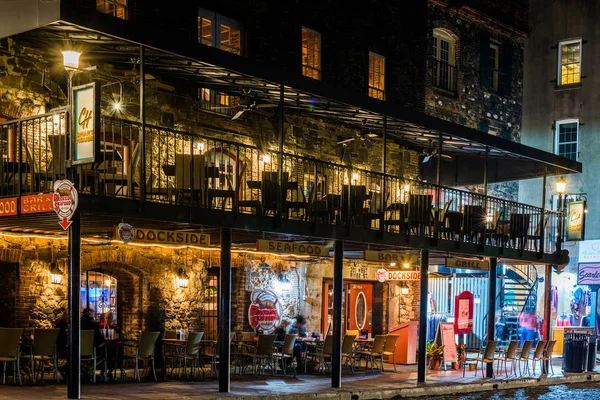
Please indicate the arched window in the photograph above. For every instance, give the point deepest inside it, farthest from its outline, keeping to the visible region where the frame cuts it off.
(444, 61)
(99, 293)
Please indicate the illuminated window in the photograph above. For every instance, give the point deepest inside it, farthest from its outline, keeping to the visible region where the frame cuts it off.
(569, 62)
(567, 133)
(219, 31)
(116, 8)
(444, 70)
(99, 294)
(494, 66)
(376, 76)
(204, 94)
(311, 53)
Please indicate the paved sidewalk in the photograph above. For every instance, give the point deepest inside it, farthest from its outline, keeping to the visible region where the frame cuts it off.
(358, 386)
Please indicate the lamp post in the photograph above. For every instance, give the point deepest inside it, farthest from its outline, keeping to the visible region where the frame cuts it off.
(71, 64)
(561, 186)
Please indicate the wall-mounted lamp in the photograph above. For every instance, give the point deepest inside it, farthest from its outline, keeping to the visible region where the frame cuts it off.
(354, 177)
(266, 158)
(406, 265)
(55, 273)
(200, 146)
(71, 59)
(283, 283)
(182, 279)
(403, 288)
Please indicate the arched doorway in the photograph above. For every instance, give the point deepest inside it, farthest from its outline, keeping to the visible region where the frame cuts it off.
(99, 294)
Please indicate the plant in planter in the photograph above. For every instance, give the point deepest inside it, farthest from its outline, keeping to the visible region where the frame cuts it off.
(460, 355)
(435, 353)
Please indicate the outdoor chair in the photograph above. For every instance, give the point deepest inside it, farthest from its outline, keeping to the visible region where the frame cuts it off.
(322, 353)
(538, 354)
(389, 350)
(89, 354)
(484, 358)
(524, 356)
(547, 357)
(144, 352)
(44, 350)
(191, 352)
(348, 350)
(263, 354)
(519, 227)
(375, 353)
(537, 236)
(9, 352)
(509, 355)
(213, 353)
(287, 353)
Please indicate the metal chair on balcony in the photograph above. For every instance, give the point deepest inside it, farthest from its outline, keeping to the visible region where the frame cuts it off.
(537, 236)
(353, 204)
(420, 218)
(474, 223)
(270, 190)
(519, 227)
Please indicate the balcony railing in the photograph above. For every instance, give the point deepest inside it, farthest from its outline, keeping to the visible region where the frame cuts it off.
(444, 76)
(197, 171)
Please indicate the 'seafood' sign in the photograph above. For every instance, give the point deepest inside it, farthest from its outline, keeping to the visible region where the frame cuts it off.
(278, 246)
(8, 207)
(386, 276)
(142, 235)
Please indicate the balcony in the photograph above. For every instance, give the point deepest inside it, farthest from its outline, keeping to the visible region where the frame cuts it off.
(444, 76)
(200, 172)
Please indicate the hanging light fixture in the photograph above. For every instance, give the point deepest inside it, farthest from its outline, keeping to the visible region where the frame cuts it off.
(182, 279)
(70, 58)
(55, 273)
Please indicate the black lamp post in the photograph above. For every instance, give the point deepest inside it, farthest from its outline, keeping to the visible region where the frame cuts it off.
(561, 186)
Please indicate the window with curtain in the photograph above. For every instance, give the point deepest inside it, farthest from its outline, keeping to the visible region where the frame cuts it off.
(311, 53)
(376, 76)
(218, 31)
(116, 8)
(569, 62)
(567, 136)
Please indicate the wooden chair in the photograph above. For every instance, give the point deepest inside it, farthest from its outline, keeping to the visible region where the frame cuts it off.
(389, 350)
(484, 358)
(509, 355)
(287, 353)
(519, 227)
(548, 355)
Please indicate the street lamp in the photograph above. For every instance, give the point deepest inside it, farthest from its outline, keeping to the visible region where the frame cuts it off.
(71, 59)
(561, 186)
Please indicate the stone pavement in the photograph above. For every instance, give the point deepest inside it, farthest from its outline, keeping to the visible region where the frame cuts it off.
(401, 384)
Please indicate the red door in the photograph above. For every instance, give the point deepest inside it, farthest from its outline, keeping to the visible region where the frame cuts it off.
(359, 310)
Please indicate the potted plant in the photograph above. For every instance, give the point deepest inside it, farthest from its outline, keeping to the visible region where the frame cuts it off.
(435, 352)
(460, 355)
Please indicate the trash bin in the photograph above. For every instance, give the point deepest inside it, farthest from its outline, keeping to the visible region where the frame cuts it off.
(575, 352)
(591, 358)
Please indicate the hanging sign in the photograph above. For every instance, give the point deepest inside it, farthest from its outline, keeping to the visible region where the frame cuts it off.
(37, 203)
(463, 313)
(8, 207)
(265, 311)
(390, 257)
(588, 274)
(161, 236)
(86, 124)
(125, 232)
(279, 246)
(576, 221)
(64, 202)
(462, 263)
(384, 275)
(589, 251)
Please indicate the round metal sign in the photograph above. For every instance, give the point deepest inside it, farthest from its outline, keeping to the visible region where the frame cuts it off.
(125, 232)
(265, 312)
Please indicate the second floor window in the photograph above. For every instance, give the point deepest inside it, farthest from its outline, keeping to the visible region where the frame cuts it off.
(311, 53)
(376, 76)
(567, 135)
(444, 69)
(219, 31)
(116, 8)
(494, 66)
(569, 62)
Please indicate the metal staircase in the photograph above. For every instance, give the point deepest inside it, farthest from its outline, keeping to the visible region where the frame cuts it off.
(520, 293)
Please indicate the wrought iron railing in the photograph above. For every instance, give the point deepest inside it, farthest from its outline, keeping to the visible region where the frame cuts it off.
(196, 170)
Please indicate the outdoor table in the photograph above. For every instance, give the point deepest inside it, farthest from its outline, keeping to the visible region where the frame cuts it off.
(118, 345)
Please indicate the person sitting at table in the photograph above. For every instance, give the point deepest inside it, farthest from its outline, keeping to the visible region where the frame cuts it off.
(281, 331)
(88, 323)
(297, 327)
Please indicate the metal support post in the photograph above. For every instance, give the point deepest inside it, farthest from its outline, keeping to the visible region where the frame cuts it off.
(491, 312)
(142, 127)
(225, 312)
(282, 190)
(383, 178)
(338, 290)
(424, 287)
(74, 377)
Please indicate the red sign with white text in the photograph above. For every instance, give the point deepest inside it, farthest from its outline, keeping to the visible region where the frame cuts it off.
(8, 207)
(37, 203)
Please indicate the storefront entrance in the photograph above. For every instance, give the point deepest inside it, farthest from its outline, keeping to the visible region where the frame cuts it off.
(357, 306)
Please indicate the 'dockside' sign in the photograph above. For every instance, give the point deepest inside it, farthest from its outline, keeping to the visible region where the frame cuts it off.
(279, 246)
(462, 263)
(384, 275)
(141, 235)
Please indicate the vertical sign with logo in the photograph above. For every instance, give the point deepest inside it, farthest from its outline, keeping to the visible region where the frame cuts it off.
(576, 221)
(85, 124)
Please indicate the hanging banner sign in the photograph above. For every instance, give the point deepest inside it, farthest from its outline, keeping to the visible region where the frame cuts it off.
(390, 257)
(160, 236)
(86, 124)
(588, 274)
(462, 263)
(385, 276)
(265, 312)
(463, 313)
(64, 201)
(278, 246)
(589, 251)
(37, 203)
(8, 207)
(575, 221)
